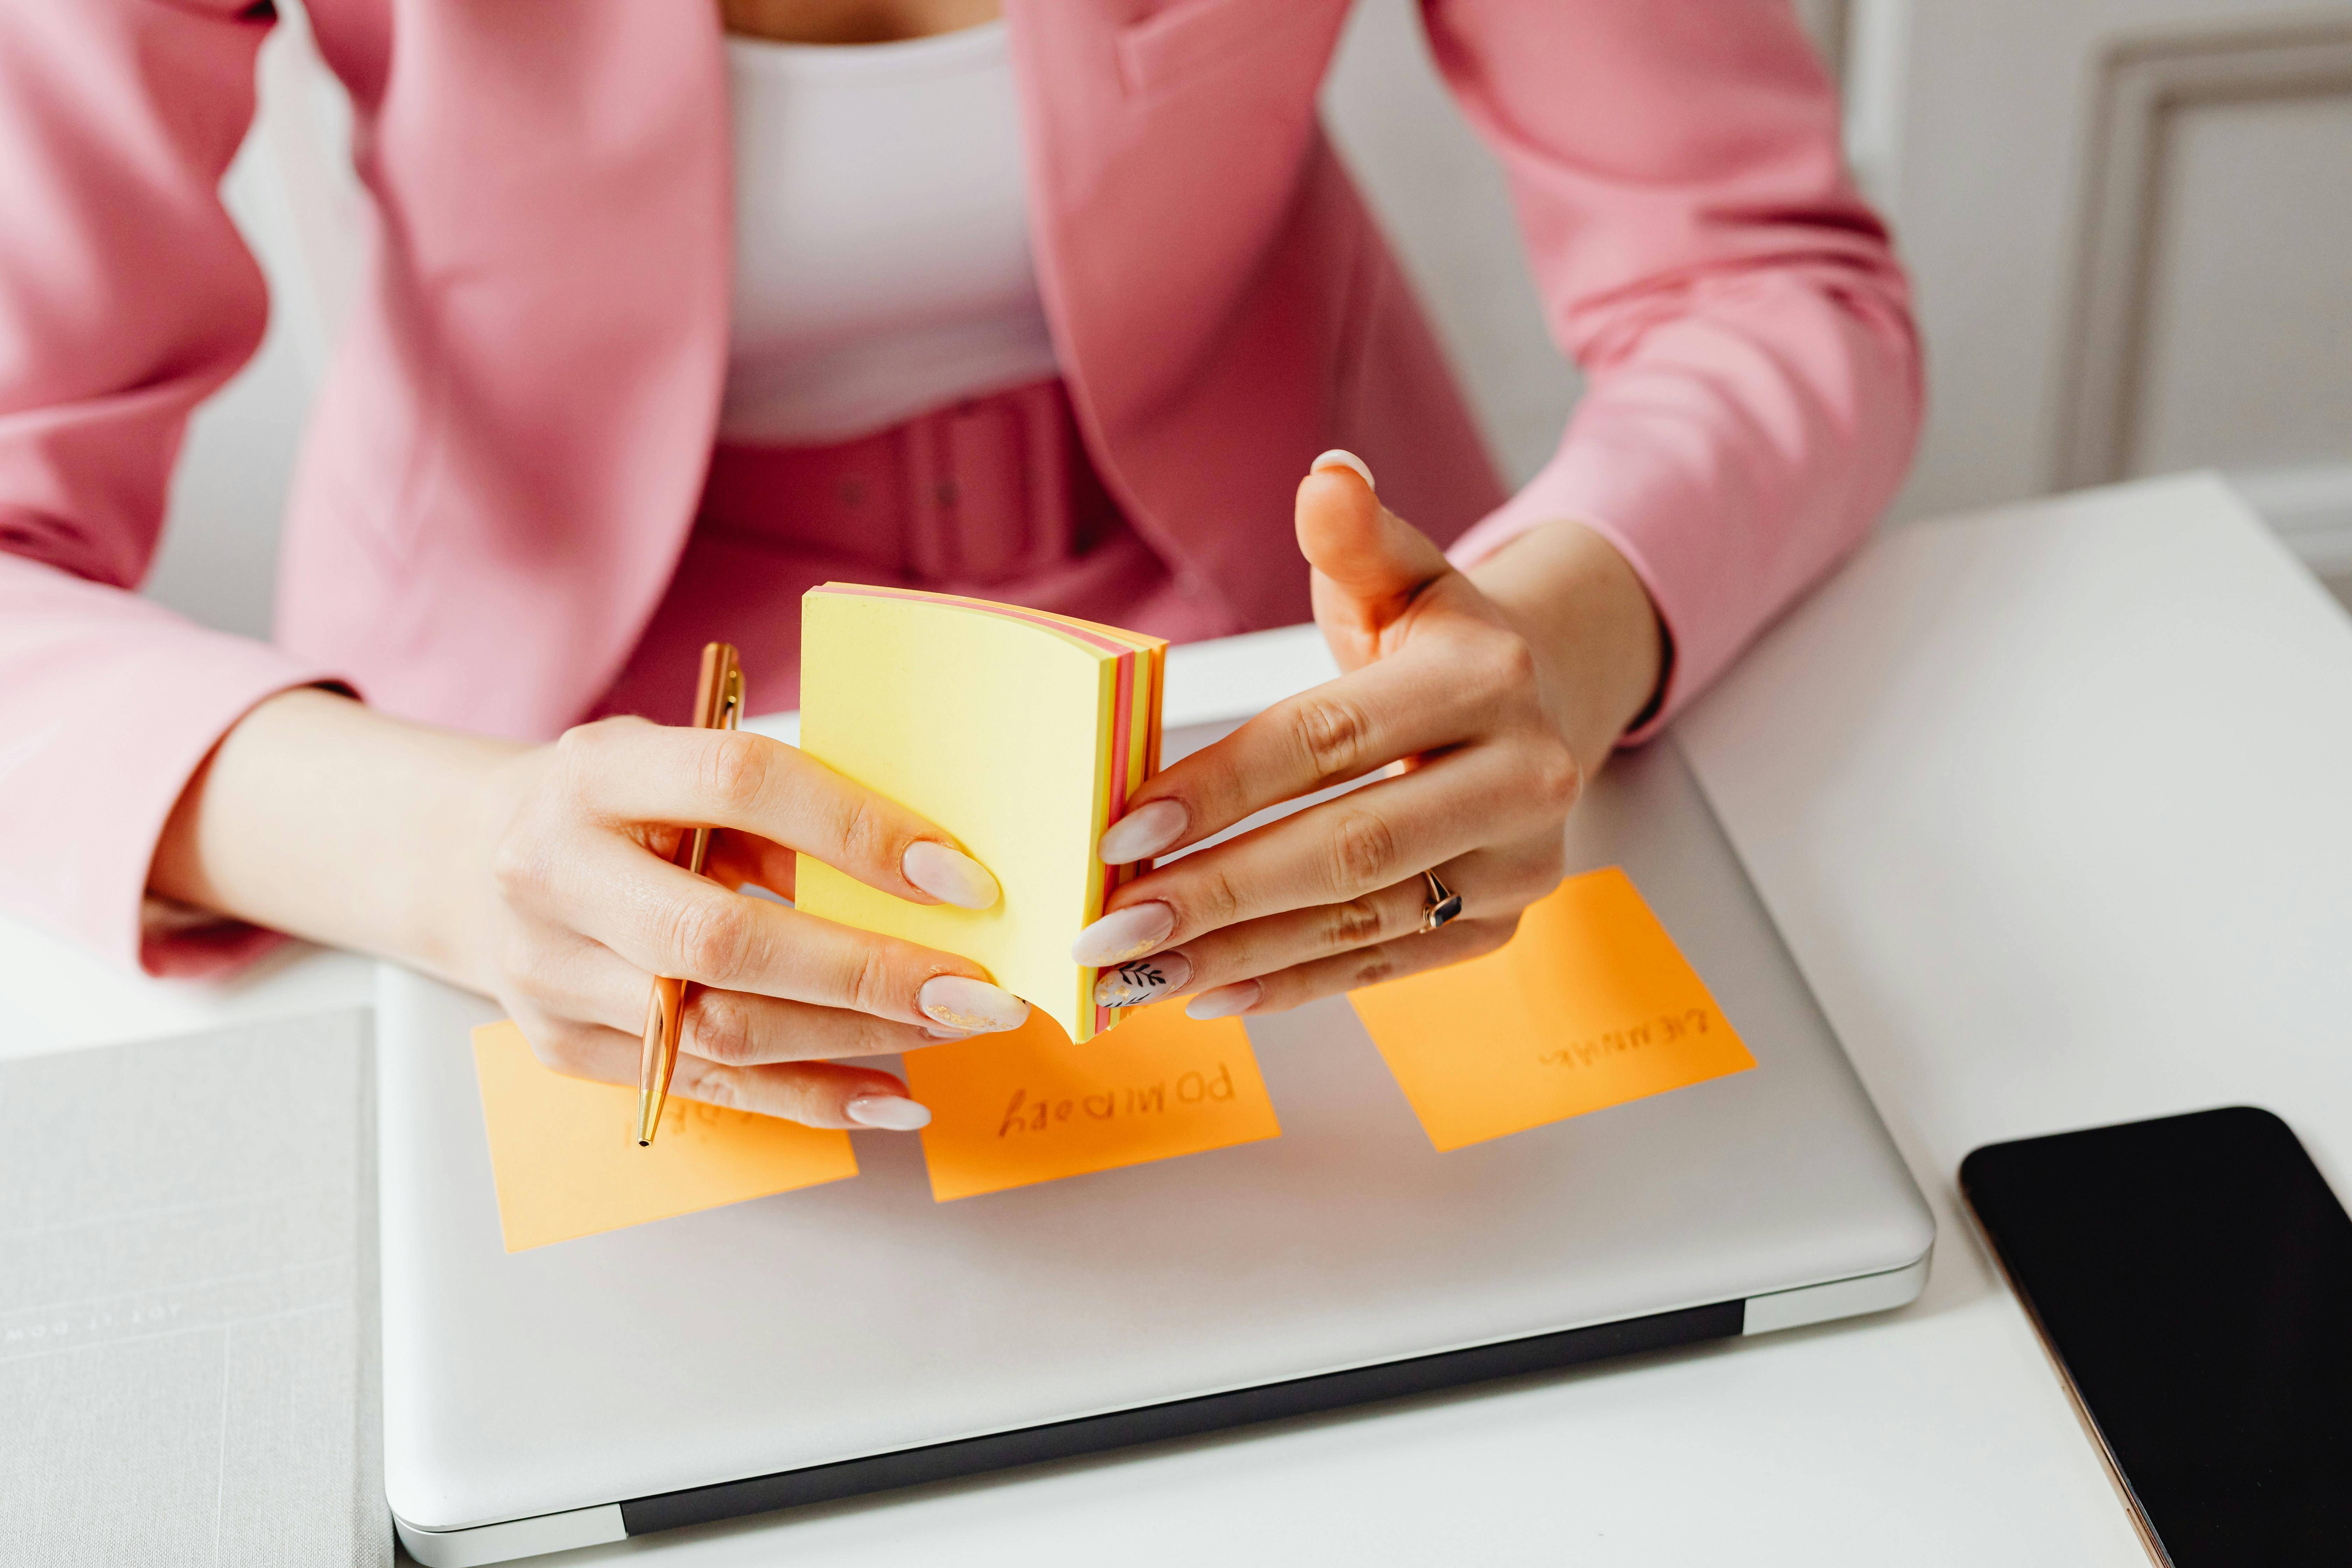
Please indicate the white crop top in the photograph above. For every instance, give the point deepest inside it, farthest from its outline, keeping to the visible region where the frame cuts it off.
(882, 261)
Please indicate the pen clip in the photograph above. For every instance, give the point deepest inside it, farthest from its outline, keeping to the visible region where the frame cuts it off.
(719, 694)
(731, 702)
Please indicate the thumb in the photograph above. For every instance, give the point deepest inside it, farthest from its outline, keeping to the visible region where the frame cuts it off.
(1369, 563)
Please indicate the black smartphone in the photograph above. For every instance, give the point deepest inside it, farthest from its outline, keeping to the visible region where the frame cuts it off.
(2191, 1276)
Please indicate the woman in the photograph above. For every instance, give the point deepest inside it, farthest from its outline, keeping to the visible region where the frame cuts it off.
(663, 326)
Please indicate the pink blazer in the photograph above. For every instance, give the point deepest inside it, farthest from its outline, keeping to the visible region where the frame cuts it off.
(504, 460)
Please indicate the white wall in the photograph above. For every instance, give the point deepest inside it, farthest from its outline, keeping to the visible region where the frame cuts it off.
(2130, 226)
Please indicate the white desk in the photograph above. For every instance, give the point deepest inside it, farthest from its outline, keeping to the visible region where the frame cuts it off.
(2051, 804)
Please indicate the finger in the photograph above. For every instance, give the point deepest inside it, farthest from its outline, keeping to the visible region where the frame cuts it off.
(1426, 698)
(1334, 852)
(1369, 563)
(664, 919)
(736, 1028)
(815, 1094)
(1262, 946)
(1491, 882)
(630, 771)
(1398, 699)
(1285, 989)
(591, 984)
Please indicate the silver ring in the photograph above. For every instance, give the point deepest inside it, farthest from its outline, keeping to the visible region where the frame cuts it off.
(1444, 903)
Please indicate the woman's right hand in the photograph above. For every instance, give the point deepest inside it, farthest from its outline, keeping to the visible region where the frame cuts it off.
(543, 876)
(583, 903)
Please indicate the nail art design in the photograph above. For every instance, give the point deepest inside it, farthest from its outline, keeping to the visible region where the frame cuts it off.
(973, 1006)
(1142, 980)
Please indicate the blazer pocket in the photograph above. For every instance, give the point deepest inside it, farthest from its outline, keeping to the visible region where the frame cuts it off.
(1191, 37)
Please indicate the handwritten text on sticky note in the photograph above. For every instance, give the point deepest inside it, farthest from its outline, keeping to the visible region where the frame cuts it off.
(1590, 1005)
(565, 1154)
(1014, 1109)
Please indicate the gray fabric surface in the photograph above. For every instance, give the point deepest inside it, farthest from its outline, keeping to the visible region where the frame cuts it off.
(188, 1336)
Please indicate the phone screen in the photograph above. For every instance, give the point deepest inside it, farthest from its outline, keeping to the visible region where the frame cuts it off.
(2194, 1276)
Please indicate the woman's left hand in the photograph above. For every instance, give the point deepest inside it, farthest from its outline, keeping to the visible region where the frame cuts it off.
(1498, 692)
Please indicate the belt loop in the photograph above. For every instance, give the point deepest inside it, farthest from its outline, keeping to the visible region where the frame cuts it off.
(934, 504)
(993, 524)
(1011, 494)
(1051, 456)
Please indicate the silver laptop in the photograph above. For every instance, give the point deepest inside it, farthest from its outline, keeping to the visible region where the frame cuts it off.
(857, 1337)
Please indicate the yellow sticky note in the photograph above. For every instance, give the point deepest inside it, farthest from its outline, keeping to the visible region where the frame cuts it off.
(1013, 1109)
(565, 1154)
(1590, 1005)
(1022, 734)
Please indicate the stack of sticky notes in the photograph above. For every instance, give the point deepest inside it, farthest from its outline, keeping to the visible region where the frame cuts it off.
(1021, 733)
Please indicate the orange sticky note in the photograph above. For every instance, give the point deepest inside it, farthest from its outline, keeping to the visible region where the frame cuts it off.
(565, 1154)
(1029, 1106)
(1590, 1004)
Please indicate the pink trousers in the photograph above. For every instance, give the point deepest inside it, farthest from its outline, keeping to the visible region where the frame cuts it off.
(993, 498)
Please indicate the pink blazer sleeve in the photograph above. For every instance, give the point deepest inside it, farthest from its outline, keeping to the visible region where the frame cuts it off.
(125, 297)
(1753, 385)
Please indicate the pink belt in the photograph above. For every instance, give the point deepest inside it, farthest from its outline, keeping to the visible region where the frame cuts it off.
(994, 498)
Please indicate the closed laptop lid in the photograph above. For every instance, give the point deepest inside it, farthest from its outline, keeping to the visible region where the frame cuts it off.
(862, 1318)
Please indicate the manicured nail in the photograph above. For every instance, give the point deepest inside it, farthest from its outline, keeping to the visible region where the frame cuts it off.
(1225, 1000)
(1339, 459)
(1123, 934)
(1142, 980)
(934, 1032)
(972, 1005)
(949, 875)
(1142, 833)
(891, 1112)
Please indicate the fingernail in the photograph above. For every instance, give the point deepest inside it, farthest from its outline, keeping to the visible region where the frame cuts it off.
(891, 1112)
(939, 1034)
(949, 875)
(1142, 833)
(1123, 934)
(1142, 980)
(972, 1005)
(1225, 1000)
(1338, 458)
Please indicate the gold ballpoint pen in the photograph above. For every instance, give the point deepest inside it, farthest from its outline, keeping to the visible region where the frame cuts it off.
(718, 705)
